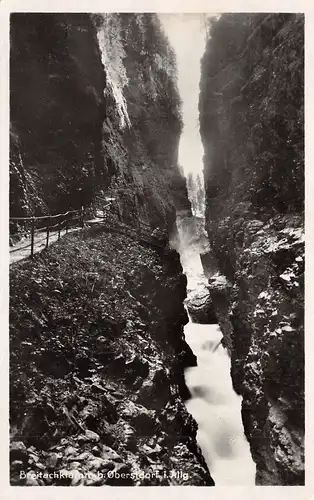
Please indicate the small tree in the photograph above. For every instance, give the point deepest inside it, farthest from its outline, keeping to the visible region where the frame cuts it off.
(191, 185)
(200, 194)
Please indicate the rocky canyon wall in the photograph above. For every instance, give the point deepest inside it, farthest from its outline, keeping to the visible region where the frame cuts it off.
(94, 111)
(251, 123)
(97, 349)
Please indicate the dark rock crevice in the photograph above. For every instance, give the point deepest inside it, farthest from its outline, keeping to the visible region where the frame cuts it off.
(254, 181)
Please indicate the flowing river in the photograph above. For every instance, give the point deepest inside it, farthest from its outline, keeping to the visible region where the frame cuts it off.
(214, 404)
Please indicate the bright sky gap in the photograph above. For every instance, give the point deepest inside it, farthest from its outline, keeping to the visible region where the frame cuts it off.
(187, 35)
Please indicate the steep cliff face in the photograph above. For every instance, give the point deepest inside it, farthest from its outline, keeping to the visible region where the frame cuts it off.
(94, 113)
(251, 121)
(57, 107)
(97, 349)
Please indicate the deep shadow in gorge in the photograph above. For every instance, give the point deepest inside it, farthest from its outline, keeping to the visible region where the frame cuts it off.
(252, 128)
(97, 349)
(97, 343)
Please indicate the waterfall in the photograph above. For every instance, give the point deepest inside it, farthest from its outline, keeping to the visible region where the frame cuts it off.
(214, 404)
(217, 409)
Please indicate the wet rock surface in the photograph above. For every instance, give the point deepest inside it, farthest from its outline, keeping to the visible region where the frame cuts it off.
(116, 142)
(254, 183)
(260, 312)
(201, 308)
(112, 312)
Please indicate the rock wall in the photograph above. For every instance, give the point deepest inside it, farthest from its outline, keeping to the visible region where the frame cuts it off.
(95, 113)
(97, 349)
(251, 121)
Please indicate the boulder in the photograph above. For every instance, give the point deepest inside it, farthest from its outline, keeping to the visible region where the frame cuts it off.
(53, 460)
(70, 451)
(152, 453)
(108, 453)
(89, 436)
(201, 308)
(186, 356)
(98, 463)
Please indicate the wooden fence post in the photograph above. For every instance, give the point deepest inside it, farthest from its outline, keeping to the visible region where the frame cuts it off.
(66, 224)
(82, 217)
(48, 229)
(59, 230)
(32, 237)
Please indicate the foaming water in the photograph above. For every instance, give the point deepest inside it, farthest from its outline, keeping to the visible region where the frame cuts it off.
(214, 404)
(217, 409)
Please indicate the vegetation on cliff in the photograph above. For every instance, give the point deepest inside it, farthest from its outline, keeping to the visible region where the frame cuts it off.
(94, 110)
(251, 122)
(97, 353)
(97, 349)
(196, 194)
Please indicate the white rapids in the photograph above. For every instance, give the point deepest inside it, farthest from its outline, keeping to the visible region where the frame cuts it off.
(217, 409)
(214, 404)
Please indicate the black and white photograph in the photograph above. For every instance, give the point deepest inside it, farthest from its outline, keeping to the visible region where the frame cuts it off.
(156, 249)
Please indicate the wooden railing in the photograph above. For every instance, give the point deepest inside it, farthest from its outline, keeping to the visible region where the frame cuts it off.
(139, 229)
(63, 221)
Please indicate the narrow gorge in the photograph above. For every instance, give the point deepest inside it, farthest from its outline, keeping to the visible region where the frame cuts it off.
(97, 349)
(156, 344)
(252, 127)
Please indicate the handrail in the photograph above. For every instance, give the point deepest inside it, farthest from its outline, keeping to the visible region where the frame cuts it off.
(62, 223)
(143, 227)
(45, 216)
